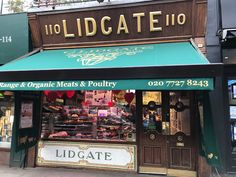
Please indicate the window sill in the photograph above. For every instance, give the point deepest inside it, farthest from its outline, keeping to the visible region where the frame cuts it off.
(5, 146)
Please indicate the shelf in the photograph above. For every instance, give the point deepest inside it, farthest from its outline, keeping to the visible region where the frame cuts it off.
(112, 128)
(108, 125)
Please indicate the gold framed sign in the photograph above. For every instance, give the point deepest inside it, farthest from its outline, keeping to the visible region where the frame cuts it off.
(91, 155)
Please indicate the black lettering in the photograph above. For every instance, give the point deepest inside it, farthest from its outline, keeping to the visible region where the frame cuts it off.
(90, 156)
(108, 156)
(82, 156)
(57, 154)
(64, 153)
(71, 154)
(98, 154)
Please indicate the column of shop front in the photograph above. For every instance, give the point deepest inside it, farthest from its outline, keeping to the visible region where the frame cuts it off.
(147, 125)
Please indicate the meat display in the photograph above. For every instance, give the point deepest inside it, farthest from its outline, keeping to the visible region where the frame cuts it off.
(86, 123)
(58, 134)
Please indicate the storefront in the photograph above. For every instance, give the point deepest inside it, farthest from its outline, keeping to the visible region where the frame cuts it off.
(118, 87)
(227, 38)
(13, 44)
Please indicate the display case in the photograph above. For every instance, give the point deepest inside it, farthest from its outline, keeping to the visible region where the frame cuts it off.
(66, 122)
(115, 129)
(87, 122)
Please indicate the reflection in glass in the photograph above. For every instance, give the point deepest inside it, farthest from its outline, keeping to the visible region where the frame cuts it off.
(152, 120)
(98, 115)
(152, 111)
(6, 118)
(165, 128)
(180, 122)
(152, 96)
(179, 113)
(232, 109)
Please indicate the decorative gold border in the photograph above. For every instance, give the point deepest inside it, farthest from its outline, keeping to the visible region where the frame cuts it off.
(131, 149)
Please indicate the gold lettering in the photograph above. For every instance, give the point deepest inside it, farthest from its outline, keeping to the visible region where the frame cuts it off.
(94, 26)
(122, 26)
(167, 20)
(50, 29)
(181, 19)
(138, 16)
(66, 35)
(104, 31)
(79, 27)
(154, 21)
(57, 29)
(173, 19)
(46, 29)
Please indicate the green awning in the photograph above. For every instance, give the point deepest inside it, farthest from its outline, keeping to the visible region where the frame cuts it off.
(136, 84)
(148, 55)
(209, 147)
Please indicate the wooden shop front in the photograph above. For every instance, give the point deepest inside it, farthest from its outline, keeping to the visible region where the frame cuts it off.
(132, 73)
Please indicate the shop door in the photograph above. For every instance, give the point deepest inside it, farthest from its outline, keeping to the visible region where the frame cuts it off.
(167, 141)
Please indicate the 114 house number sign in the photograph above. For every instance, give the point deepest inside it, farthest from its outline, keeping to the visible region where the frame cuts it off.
(5, 39)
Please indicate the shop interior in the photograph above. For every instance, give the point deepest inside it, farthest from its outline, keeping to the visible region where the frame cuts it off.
(6, 118)
(99, 115)
(105, 115)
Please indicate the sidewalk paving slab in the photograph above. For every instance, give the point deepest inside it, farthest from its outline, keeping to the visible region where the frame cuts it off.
(65, 172)
(6, 171)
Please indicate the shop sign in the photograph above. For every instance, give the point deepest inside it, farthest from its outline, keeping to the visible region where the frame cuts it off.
(143, 21)
(114, 156)
(136, 84)
(13, 36)
(26, 116)
(26, 121)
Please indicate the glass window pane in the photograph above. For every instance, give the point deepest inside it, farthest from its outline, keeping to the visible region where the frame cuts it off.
(98, 115)
(179, 121)
(152, 112)
(179, 112)
(152, 120)
(232, 109)
(152, 96)
(179, 97)
(6, 118)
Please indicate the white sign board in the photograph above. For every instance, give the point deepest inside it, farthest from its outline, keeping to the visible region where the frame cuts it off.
(26, 117)
(112, 156)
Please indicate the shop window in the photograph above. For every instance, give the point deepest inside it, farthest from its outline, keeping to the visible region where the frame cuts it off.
(232, 109)
(6, 118)
(166, 118)
(179, 113)
(98, 115)
(152, 112)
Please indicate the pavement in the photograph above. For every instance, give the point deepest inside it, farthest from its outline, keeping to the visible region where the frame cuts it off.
(5, 171)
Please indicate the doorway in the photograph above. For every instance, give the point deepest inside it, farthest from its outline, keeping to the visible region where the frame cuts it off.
(167, 135)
